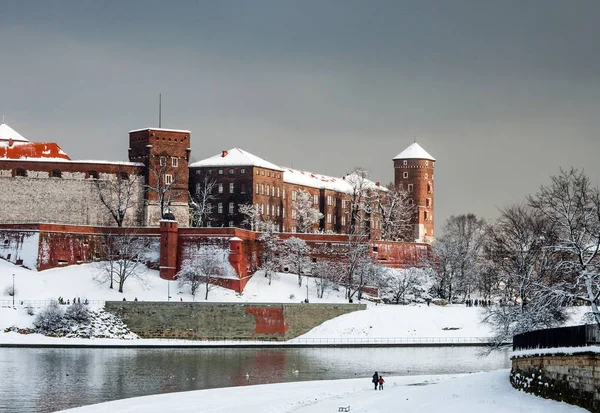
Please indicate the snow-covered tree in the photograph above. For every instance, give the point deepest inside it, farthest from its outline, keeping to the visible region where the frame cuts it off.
(206, 265)
(251, 216)
(123, 258)
(572, 204)
(295, 254)
(401, 286)
(201, 204)
(305, 212)
(117, 194)
(396, 209)
(271, 248)
(49, 318)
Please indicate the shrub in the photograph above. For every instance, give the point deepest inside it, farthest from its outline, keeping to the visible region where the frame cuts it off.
(10, 291)
(77, 312)
(30, 311)
(49, 319)
(439, 301)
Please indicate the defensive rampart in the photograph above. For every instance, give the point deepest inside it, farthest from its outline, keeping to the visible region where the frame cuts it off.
(206, 321)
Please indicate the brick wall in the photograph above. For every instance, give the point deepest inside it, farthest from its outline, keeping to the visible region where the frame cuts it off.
(248, 321)
(574, 379)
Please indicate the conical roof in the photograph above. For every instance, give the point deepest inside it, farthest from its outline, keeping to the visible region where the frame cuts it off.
(8, 133)
(414, 151)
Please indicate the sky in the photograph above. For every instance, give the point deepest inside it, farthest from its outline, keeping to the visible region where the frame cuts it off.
(502, 93)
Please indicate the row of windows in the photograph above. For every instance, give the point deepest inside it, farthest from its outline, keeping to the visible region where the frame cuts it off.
(405, 176)
(231, 171)
(174, 161)
(406, 163)
(56, 173)
(262, 172)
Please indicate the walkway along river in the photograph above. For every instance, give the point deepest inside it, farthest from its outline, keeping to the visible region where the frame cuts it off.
(40, 380)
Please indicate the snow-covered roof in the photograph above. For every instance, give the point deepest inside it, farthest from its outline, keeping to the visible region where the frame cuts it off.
(414, 151)
(7, 133)
(63, 160)
(313, 180)
(236, 157)
(161, 129)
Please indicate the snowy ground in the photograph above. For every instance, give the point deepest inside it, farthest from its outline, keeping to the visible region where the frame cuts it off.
(490, 392)
(378, 321)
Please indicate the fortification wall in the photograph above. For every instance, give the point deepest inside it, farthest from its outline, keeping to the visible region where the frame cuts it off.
(64, 193)
(574, 379)
(206, 321)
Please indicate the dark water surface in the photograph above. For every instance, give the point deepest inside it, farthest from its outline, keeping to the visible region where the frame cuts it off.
(46, 380)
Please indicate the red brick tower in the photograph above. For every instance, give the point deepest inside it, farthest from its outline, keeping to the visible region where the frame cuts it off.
(165, 153)
(413, 171)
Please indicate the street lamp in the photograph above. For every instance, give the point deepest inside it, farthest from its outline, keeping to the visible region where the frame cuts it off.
(13, 291)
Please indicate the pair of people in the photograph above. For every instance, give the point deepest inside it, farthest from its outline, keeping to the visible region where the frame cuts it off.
(378, 381)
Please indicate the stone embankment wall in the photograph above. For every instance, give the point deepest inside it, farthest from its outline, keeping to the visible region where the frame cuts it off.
(574, 379)
(205, 321)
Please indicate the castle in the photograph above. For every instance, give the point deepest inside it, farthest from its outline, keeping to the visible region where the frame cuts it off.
(43, 185)
(56, 210)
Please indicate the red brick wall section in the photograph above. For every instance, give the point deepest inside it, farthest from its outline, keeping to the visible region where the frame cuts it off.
(168, 249)
(268, 320)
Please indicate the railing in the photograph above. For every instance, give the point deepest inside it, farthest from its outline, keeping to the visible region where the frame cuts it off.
(42, 303)
(577, 336)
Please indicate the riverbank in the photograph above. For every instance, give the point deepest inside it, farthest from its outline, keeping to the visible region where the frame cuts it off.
(490, 392)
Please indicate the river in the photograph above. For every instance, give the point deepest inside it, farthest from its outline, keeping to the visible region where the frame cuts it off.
(46, 380)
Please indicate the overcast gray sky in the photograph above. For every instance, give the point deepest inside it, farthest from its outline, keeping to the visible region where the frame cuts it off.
(503, 93)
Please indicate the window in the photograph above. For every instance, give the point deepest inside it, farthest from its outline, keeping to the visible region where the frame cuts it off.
(428, 202)
(405, 175)
(405, 162)
(293, 195)
(242, 171)
(243, 188)
(168, 179)
(268, 210)
(220, 188)
(268, 190)
(268, 173)
(426, 163)
(425, 215)
(316, 199)
(231, 171)
(163, 161)
(231, 208)
(262, 189)
(220, 172)
(278, 210)
(209, 208)
(230, 223)
(293, 214)
(257, 172)
(425, 176)
(198, 188)
(429, 188)
(294, 229)
(343, 220)
(410, 187)
(343, 204)
(329, 218)
(220, 207)
(231, 187)
(329, 201)
(174, 162)
(283, 193)
(262, 173)
(273, 210)
(257, 189)
(262, 208)
(278, 192)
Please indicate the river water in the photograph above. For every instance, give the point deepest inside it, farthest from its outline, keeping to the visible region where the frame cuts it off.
(46, 380)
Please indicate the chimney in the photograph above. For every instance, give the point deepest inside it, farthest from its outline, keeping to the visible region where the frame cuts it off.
(10, 142)
(224, 154)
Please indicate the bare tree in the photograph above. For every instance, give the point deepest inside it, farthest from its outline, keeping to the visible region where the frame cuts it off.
(327, 274)
(166, 182)
(304, 212)
(573, 205)
(296, 255)
(271, 247)
(117, 194)
(123, 259)
(201, 203)
(208, 264)
(398, 285)
(251, 216)
(396, 209)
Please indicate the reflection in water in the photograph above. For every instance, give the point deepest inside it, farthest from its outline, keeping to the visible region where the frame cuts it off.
(46, 380)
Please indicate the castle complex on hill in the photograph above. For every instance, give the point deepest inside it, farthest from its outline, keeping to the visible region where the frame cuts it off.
(41, 184)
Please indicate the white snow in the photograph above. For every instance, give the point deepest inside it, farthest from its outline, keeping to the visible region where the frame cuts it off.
(414, 151)
(7, 133)
(236, 157)
(556, 350)
(488, 392)
(379, 322)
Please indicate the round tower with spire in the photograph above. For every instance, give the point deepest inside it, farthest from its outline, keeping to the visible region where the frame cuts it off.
(413, 172)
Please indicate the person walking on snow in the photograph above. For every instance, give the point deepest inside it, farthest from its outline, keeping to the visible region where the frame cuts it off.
(375, 380)
(381, 381)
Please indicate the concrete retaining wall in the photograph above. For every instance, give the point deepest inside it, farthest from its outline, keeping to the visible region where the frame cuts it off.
(574, 379)
(248, 321)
